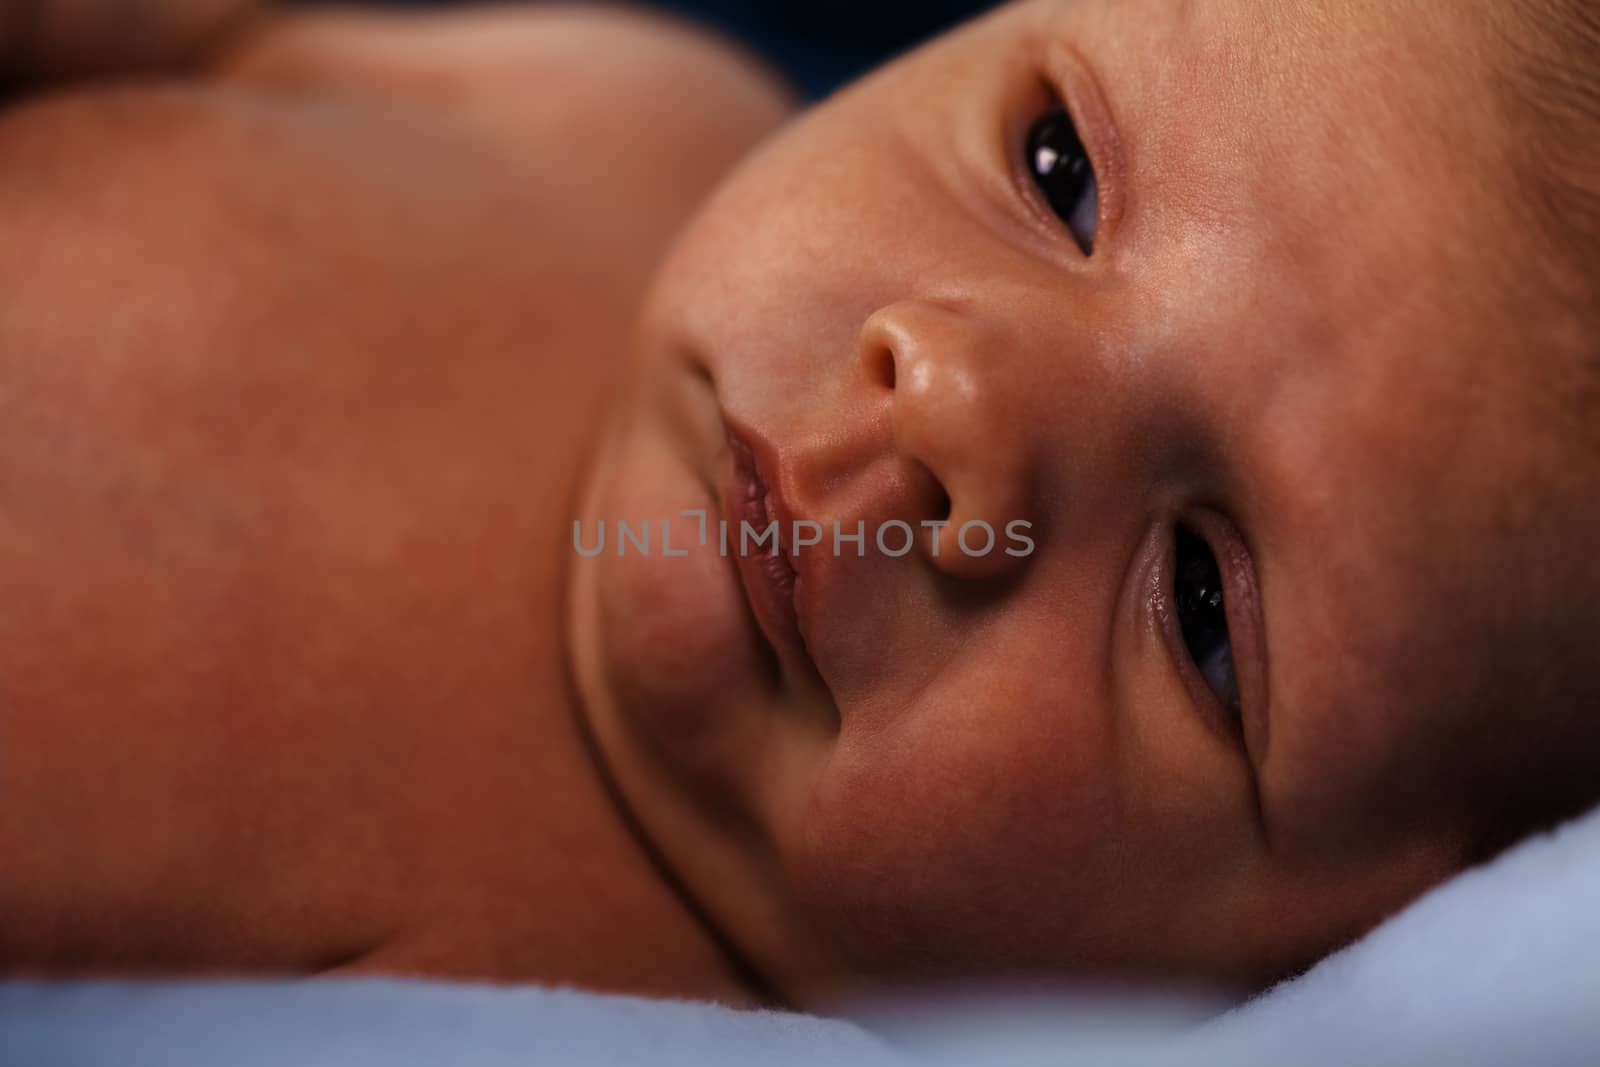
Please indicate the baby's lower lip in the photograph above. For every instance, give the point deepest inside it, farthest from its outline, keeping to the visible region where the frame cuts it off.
(768, 577)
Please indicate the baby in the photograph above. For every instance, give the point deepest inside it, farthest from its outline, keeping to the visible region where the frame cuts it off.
(1110, 495)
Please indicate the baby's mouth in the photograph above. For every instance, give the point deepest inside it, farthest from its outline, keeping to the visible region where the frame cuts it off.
(757, 540)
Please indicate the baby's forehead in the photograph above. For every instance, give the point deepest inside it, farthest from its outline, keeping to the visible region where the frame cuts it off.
(1241, 108)
(1411, 558)
(1321, 224)
(1322, 261)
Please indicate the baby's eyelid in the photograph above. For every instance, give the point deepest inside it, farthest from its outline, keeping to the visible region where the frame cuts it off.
(1071, 81)
(1236, 567)
(1165, 600)
(1062, 186)
(1246, 625)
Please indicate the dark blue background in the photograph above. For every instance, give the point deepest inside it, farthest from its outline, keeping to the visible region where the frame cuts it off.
(823, 43)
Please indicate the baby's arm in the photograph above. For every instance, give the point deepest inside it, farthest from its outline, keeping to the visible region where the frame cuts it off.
(46, 40)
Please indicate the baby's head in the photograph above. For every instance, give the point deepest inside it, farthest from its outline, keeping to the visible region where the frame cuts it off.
(1275, 325)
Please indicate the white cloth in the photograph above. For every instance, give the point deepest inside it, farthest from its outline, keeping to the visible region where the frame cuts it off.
(1499, 966)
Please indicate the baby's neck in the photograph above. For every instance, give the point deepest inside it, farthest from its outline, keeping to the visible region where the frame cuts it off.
(550, 885)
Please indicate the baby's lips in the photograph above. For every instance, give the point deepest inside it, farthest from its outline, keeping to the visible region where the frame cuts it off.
(759, 539)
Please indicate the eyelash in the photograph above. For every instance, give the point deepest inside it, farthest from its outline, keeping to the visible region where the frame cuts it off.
(1055, 76)
(1229, 720)
(1054, 153)
(1204, 597)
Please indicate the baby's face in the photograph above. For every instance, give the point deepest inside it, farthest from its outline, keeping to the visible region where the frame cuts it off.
(1237, 387)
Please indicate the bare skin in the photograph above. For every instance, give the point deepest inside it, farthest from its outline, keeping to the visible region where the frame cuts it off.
(300, 362)
(1290, 337)
(304, 368)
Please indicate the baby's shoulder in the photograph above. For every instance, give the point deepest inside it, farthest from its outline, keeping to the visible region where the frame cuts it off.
(556, 149)
(643, 111)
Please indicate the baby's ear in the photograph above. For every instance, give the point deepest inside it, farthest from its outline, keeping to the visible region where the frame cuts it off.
(59, 40)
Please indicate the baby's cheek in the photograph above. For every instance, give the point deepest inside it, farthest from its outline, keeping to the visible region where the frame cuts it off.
(958, 838)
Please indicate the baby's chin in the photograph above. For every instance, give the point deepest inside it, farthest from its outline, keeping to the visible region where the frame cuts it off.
(663, 650)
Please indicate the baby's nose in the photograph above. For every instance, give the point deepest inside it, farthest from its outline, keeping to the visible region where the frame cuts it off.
(959, 432)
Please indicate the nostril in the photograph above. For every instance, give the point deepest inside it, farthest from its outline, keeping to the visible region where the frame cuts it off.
(931, 498)
(879, 361)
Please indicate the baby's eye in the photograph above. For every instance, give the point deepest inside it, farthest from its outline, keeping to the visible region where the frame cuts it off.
(1197, 598)
(1061, 169)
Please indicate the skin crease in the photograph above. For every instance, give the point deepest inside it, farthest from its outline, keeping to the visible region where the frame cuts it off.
(321, 734)
(1279, 339)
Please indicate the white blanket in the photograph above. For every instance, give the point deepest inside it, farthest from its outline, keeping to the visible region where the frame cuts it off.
(1500, 966)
